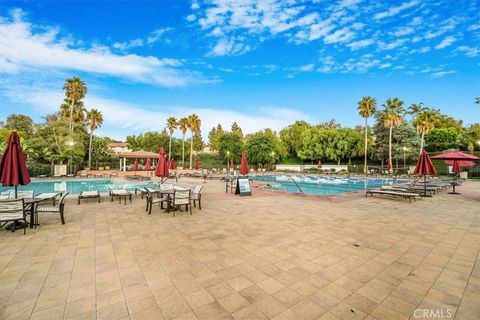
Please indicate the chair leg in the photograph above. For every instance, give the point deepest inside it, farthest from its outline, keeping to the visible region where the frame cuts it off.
(150, 208)
(190, 206)
(25, 227)
(200, 202)
(62, 217)
(78, 200)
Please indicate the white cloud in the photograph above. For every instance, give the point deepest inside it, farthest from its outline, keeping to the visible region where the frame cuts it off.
(356, 45)
(191, 17)
(230, 46)
(403, 31)
(469, 51)
(448, 41)
(122, 118)
(395, 10)
(440, 74)
(23, 47)
(474, 27)
(392, 45)
(153, 37)
(341, 35)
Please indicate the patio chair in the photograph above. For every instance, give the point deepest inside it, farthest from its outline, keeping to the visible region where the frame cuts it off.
(197, 196)
(89, 195)
(152, 198)
(120, 193)
(13, 210)
(180, 198)
(60, 209)
(22, 194)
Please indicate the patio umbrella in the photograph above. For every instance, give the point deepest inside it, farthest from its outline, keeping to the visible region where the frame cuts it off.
(231, 165)
(148, 164)
(244, 164)
(461, 163)
(389, 165)
(426, 168)
(161, 165)
(319, 164)
(171, 164)
(197, 164)
(456, 156)
(13, 168)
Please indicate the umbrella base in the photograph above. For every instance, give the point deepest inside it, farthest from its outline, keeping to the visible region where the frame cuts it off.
(16, 225)
(453, 192)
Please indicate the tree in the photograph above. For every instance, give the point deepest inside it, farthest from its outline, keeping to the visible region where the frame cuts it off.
(214, 137)
(230, 146)
(264, 147)
(78, 113)
(95, 121)
(183, 126)
(415, 109)
(236, 129)
(330, 124)
(442, 139)
(477, 100)
(424, 122)
(150, 141)
(291, 136)
(171, 126)
(20, 122)
(391, 116)
(404, 136)
(75, 90)
(198, 144)
(194, 124)
(366, 108)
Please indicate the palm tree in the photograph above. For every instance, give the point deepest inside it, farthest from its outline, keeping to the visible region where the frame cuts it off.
(79, 111)
(415, 109)
(95, 121)
(194, 124)
(424, 122)
(366, 108)
(183, 126)
(392, 117)
(75, 90)
(171, 126)
(477, 100)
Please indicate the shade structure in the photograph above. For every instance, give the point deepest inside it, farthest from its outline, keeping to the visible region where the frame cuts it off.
(244, 164)
(231, 165)
(162, 168)
(171, 164)
(135, 165)
(13, 168)
(426, 168)
(461, 163)
(319, 164)
(456, 156)
(197, 164)
(148, 164)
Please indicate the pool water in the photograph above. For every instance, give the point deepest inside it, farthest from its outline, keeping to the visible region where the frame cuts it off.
(76, 186)
(323, 185)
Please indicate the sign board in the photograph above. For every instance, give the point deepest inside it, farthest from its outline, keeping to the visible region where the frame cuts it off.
(60, 170)
(243, 187)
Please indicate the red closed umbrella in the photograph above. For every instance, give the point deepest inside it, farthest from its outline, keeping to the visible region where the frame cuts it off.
(319, 164)
(426, 168)
(231, 165)
(197, 164)
(389, 165)
(162, 168)
(171, 164)
(13, 168)
(148, 164)
(135, 165)
(244, 164)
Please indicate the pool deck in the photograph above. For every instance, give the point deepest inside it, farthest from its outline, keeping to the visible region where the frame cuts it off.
(269, 256)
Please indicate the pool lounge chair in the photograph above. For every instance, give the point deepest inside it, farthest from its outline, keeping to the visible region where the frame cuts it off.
(120, 193)
(89, 195)
(393, 193)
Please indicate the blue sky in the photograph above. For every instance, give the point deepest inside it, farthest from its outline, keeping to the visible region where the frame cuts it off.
(262, 63)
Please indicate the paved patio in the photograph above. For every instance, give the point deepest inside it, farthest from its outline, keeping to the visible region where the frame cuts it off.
(277, 256)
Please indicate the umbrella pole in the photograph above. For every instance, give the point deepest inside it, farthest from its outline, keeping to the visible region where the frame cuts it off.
(16, 193)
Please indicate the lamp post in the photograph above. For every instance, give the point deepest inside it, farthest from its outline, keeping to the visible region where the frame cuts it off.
(71, 143)
(405, 149)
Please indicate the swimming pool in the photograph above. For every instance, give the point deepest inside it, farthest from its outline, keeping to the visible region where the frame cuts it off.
(323, 185)
(75, 186)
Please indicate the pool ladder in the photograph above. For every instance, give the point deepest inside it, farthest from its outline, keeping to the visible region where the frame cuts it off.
(290, 178)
